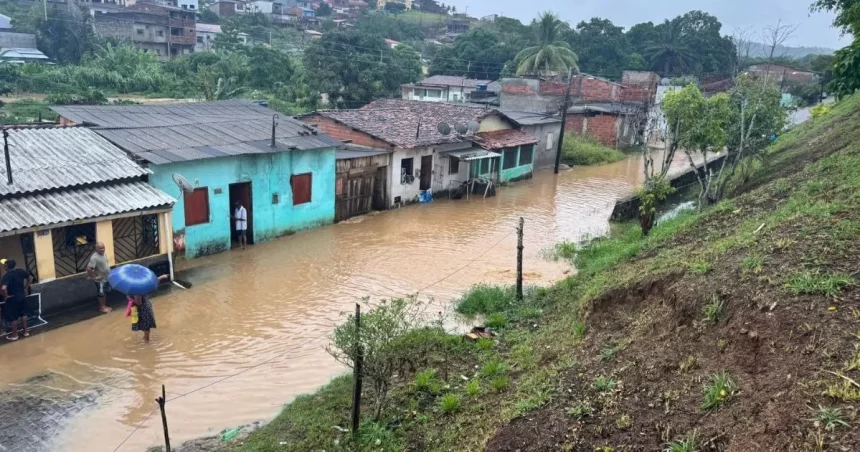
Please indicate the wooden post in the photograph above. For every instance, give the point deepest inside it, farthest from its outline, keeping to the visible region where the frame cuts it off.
(564, 119)
(161, 401)
(356, 375)
(520, 261)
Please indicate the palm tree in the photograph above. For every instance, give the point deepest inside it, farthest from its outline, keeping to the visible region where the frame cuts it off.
(669, 52)
(551, 54)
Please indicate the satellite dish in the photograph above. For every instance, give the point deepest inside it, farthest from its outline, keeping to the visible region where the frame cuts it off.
(473, 126)
(461, 128)
(443, 128)
(183, 183)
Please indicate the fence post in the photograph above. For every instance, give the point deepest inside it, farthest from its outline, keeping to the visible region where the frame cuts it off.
(161, 401)
(520, 261)
(356, 376)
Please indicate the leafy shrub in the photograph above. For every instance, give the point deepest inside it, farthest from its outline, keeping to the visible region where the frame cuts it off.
(579, 150)
(485, 299)
(497, 320)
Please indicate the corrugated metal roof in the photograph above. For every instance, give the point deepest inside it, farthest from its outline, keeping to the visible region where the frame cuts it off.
(473, 154)
(194, 131)
(529, 118)
(62, 157)
(79, 204)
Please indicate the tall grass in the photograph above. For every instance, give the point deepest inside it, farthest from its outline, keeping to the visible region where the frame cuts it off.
(585, 150)
(485, 299)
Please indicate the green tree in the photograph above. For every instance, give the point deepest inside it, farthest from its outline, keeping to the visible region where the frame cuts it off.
(670, 52)
(551, 54)
(354, 68)
(228, 40)
(324, 10)
(635, 62)
(601, 46)
(267, 67)
(698, 125)
(714, 53)
(208, 16)
(846, 63)
(640, 36)
(65, 37)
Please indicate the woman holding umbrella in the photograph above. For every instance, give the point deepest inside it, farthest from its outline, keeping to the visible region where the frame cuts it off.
(137, 282)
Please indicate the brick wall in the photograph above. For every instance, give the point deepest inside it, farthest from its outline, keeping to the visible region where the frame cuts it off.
(596, 90)
(601, 127)
(343, 132)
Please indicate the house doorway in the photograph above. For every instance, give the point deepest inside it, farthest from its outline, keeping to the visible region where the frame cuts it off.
(241, 193)
(426, 172)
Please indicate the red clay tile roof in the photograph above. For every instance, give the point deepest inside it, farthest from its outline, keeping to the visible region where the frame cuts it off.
(397, 120)
(503, 139)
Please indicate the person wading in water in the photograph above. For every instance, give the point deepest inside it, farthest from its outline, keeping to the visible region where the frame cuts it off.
(98, 269)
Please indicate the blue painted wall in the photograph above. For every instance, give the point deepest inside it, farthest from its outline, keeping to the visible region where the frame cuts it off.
(268, 174)
(518, 172)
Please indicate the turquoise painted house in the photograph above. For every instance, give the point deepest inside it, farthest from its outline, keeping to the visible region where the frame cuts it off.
(281, 170)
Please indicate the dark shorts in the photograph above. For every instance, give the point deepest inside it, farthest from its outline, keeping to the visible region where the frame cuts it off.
(240, 233)
(13, 309)
(102, 288)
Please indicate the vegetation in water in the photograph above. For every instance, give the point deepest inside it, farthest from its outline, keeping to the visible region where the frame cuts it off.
(586, 150)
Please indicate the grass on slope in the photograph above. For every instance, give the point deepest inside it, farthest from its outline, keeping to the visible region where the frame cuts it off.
(729, 329)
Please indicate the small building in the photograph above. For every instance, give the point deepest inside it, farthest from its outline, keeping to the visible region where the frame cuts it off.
(446, 88)
(19, 48)
(206, 34)
(226, 150)
(167, 31)
(425, 159)
(69, 188)
(227, 8)
(361, 183)
(613, 124)
(545, 128)
(781, 72)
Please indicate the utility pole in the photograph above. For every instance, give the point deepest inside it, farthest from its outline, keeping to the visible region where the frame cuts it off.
(563, 119)
(45, 8)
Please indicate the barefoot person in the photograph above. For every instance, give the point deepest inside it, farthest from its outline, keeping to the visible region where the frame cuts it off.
(14, 287)
(98, 269)
(141, 312)
(241, 217)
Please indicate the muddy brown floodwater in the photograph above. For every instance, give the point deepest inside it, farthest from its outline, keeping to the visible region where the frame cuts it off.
(274, 303)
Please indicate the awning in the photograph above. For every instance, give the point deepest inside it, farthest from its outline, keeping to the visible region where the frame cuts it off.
(468, 155)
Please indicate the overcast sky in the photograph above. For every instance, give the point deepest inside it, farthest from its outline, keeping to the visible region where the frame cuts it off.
(815, 29)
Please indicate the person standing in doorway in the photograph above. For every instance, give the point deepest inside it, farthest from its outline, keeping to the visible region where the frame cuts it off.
(97, 270)
(13, 289)
(241, 217)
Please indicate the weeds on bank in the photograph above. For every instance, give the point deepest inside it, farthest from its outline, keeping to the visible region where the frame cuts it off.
(604, 383)
(581, 410)
(719, 391)
(687, 444)
(814, 282)
(449, 404)
(565, 250)
(492, 368)
(609, 352)
(427, 382)
(485, 299)
(714, 310)
(828, 418)
(700, 268)
(752, 264)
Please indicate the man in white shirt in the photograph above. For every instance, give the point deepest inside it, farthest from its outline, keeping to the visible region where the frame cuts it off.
(240, 215)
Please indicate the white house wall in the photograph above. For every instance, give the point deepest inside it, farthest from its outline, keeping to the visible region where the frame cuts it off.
(407, 192)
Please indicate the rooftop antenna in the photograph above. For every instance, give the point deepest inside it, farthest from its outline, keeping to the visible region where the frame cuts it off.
(274, 123)
(6, 154)
(443, 128)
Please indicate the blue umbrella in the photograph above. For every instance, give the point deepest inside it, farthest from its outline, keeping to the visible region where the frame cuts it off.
(133, 279)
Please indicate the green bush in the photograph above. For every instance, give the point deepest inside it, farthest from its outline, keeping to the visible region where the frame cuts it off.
(496, 321)
(485, 299)
(580, 150)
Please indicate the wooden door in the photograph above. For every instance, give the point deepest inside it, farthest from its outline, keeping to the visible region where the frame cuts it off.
(355, 192)
(426, 172)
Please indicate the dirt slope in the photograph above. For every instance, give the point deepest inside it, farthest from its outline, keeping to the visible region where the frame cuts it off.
(780, 260)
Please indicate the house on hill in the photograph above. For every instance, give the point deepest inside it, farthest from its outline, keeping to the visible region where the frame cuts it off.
(447, 88)
(280, 169)
(68, 189)
(425, 159)
(781, 72)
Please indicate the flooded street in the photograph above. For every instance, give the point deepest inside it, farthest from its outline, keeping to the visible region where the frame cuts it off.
(265, 313)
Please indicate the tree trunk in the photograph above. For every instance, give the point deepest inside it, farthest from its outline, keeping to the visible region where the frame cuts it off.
(646, 222)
